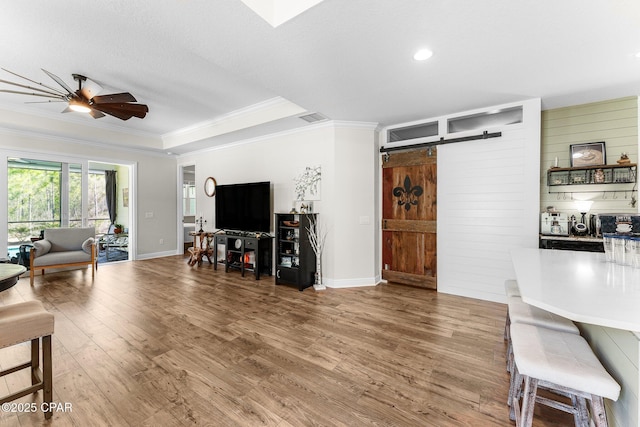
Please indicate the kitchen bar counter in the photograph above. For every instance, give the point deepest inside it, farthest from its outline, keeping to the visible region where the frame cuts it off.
(604, 298)
(580, 286)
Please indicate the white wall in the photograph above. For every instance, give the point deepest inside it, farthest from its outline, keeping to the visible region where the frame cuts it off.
(353, 210)
(488, 199)
(346, 153)
(154, 182)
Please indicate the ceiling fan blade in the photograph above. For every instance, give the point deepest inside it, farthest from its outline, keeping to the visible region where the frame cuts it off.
(33, 94)
(115, 112)
(45, 102)
(121, 110)
(96, 114)
(53, 94)
(113, 98)
(33, 81)
(59, 81)
(90, 88)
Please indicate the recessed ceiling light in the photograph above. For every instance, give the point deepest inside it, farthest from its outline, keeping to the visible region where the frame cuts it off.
(422, 55)
(638, 55)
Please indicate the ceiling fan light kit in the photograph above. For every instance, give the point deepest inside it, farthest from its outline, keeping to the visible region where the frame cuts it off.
(78, 106)
(84, 100)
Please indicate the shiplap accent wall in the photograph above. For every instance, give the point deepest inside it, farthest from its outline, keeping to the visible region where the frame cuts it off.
(616, 123)
(488, 198)
(619, 352)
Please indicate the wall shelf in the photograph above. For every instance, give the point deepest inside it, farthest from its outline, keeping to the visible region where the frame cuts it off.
(589, 179)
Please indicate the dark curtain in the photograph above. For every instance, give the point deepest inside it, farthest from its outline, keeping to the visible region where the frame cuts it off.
(110, 179)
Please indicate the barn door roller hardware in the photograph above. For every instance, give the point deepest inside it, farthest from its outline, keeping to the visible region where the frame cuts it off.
(442, 141)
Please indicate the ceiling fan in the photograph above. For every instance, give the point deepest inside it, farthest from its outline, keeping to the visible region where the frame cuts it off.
(85, 99)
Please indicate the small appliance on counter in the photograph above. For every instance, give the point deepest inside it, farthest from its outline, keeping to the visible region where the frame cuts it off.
(554, 224)
(621, 223)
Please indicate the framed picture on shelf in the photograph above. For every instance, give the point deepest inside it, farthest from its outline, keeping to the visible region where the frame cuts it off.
(588, 154)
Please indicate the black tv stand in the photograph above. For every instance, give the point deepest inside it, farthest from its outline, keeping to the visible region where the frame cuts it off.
(240, 247)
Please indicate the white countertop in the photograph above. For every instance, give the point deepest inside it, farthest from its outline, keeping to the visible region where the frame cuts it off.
(580, 286)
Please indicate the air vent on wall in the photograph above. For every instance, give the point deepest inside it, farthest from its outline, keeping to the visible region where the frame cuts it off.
(313, 117)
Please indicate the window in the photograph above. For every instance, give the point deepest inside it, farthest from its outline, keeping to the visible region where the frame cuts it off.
(75, 196)
(507, 116)
(97, 202)
(189, 198)
(34, 197)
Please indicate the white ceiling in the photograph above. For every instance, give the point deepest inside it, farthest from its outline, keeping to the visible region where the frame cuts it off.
(212, 72)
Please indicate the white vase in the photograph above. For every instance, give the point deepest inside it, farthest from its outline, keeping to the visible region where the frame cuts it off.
(318, 286)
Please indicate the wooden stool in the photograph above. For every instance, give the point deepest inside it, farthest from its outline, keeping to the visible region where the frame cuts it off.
(561, 362)
(29, 321)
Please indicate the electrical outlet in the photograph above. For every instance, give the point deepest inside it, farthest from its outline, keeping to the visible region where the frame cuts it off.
(148, 214)
(162, 241)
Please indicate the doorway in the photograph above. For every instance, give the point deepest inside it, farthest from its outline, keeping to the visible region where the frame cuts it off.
(109, 210)
(187, 209)
(409, 214)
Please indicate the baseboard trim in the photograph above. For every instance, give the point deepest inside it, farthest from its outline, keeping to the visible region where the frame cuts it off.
(155, 255)
(350, 283)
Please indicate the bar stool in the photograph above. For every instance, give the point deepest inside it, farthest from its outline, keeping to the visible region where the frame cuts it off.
(512, 290)
(519, 311)
(29, 321)
(561, 362)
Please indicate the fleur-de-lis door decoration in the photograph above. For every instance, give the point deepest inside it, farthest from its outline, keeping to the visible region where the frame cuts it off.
(408, 195)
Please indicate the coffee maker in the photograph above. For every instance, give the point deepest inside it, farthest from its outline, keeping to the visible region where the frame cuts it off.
(554, 224)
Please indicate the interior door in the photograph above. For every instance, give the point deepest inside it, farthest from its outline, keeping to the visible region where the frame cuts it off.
(409, 209)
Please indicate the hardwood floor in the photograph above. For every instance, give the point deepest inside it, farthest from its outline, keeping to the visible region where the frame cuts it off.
(159, 343)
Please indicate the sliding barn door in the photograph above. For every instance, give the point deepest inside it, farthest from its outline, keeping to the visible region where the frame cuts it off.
(409, 184)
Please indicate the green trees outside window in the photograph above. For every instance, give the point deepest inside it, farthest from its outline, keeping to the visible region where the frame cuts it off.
(35, 197)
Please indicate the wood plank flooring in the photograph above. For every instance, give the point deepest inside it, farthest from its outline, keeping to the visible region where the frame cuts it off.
(159, 343)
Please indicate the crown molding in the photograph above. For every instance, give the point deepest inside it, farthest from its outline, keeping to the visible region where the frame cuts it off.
(311, 127)
(85, 142)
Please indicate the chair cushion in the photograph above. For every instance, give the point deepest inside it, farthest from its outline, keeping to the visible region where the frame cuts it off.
(68, 239)
(561, 358)
(521, 312)
(23, 322)
(68, 257)
(86, 245)
(42, 247)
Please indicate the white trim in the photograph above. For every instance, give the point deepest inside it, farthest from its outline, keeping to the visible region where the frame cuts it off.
(326, 124)
(157, 255)
(278, 100)
(350, 283)
(67, 139)
(74, 119)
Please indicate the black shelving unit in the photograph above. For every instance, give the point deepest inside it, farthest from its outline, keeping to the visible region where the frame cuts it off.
(248, 252)
(295, 259)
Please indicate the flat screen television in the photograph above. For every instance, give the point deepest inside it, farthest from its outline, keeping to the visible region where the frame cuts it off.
(244, 207)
